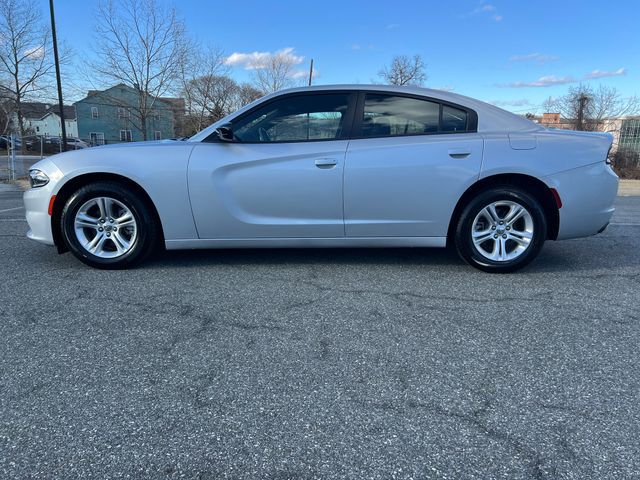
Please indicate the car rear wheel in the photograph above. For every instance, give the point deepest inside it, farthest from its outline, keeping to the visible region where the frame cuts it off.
(501, 230)
(108, 226)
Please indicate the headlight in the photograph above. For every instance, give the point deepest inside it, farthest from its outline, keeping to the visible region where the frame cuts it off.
(37, 178)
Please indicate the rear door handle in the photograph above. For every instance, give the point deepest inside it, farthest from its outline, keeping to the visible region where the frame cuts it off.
(459, 152)
(326, 162)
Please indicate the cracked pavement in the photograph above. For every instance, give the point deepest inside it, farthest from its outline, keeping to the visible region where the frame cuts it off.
(321, 363)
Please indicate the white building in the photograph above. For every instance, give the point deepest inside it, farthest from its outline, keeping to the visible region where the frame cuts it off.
(44, 119)
(50, 126)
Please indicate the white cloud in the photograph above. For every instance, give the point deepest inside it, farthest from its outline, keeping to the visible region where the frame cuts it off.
(546, 81)
(392, 26)
(357, 47)
(445, 88)
(604, 73)
(551, 80)
(485, 8)
(35, 52)
(305, 74)
(522, 102)
(258, 60)
(533, 57)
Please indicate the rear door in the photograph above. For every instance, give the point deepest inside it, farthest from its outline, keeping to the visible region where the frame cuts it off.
(409, 162)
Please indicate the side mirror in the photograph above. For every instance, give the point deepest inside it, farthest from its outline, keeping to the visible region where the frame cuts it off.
(225, 133)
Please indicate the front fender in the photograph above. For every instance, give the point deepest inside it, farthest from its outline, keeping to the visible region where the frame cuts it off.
(159, 170)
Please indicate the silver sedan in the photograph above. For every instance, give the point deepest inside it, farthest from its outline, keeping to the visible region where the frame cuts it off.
(332, 166)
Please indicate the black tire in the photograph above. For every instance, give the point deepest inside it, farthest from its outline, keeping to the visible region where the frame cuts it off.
(463, 232)
(147, 230)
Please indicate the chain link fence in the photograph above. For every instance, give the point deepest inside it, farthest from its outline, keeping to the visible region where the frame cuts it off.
(19, 153)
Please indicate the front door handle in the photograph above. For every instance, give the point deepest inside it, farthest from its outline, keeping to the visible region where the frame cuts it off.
(326, 162)
(459, 152)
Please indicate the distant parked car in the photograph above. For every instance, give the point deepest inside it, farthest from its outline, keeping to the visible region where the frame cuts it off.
(53, 144)
(30, 142)
(341, 166)
(76, 144)
(5, 141)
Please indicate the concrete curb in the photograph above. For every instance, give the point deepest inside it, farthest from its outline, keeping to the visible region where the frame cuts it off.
(629, 188)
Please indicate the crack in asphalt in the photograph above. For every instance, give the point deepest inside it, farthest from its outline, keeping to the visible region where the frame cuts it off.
(399, 295)
(533, 460)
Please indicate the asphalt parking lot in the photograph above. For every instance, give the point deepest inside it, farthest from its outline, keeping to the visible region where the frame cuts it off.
(321, 363)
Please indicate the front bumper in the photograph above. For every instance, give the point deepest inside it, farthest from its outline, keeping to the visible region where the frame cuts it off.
(588, 194)
(36, 204)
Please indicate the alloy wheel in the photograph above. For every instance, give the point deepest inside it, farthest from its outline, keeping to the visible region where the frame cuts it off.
(502, 231)
(105, 227)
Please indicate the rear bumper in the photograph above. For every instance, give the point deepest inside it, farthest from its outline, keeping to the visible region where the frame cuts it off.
(588, 194)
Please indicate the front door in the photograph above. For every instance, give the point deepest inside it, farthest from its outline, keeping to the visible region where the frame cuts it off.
(281, 176)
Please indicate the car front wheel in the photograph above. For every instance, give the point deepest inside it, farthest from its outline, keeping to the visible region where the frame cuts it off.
(501, 230)
(108, 226)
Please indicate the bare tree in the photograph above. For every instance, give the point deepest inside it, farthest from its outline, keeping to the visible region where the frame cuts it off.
(275, 72)
(204, 86)
(209, 92)
(246, 94)
(589, 108)
(142, 44)
(212, 97)
(404, 71)
(24, 54)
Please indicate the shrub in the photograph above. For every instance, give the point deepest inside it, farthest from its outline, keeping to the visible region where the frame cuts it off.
(626, 163)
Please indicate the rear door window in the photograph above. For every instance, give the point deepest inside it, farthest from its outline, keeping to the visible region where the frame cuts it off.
(453, 119)
(389, 115)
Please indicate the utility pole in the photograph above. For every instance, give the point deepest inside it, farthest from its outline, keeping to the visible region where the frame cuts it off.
(583, 99)
(311, 72)
(57, 62)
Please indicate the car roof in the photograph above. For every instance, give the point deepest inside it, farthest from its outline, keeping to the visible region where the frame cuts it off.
(491, 119)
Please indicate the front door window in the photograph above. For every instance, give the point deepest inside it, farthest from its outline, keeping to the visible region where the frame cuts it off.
(294, 119)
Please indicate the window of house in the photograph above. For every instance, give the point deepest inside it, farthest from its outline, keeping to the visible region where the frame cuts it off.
(157, 135)
(96, 138)
(94, 112)
(125, 135)
(295, 118)
(123, 112)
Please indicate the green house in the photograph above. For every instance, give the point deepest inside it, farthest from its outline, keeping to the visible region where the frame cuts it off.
(113, 116)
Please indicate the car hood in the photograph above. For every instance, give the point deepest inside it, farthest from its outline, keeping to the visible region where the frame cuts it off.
(151, 143)
(122, 158)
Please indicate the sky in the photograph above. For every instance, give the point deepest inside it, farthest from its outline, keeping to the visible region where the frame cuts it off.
(512, 53)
